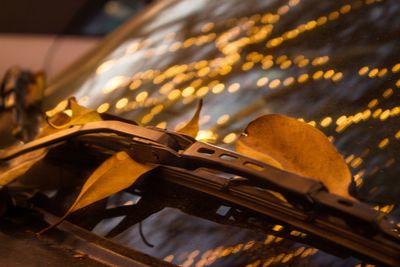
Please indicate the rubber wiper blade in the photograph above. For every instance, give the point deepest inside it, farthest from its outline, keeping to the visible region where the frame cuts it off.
(372, 241)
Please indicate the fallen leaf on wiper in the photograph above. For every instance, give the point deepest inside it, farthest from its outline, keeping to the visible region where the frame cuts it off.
(78, 115)
(192, 127)
(297, 147)
(16, 167)
(115, 174)
(67, 113)
(60, 107)
(58, 118)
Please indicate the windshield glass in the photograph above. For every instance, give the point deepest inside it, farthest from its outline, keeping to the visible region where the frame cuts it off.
(333, 64)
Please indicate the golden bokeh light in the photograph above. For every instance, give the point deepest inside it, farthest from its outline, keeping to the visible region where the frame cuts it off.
(328, 74)
(135, 84)
(274, 83)
(141, 96)
(396, 68)
(157, 109)
(233, 87)
(337, 76)
(318, 75)
(382, 144)
(174, 94)
(288, 81)
(103, 108)
(229, 138)
(303, 78)
(388, 93)
(223, 119)
(326, 122)
(147, 118)
(373, 103)
(218, 88)
(364, 70)
(372, 73)
(262, 81)
(121, 103)
(188, 91)
(202, 91)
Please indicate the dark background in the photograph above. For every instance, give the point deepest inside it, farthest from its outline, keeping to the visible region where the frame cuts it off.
(83, 17)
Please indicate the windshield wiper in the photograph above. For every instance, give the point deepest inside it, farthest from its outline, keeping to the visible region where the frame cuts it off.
(245, 182)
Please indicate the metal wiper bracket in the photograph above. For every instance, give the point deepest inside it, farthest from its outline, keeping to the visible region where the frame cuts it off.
(312, 208)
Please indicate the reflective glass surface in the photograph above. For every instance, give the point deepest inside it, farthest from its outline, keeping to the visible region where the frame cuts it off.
(332, 64)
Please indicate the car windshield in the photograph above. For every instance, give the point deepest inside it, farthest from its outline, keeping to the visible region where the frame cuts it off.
(333, 64)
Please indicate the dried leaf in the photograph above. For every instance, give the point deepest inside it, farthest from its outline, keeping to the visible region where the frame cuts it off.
(115, 174)
(17, 167)
(297, 147)
(67, 113)
(58, 119)
(71, 114)
(192, 127)
(79, 115)
(60, 107)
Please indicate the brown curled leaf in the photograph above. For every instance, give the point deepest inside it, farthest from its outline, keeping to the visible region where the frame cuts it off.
(192, 127)
(115, 174)
(295, 146)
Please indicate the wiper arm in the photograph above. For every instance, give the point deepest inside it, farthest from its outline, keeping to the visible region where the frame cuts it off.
(171, 149)
(361, 229)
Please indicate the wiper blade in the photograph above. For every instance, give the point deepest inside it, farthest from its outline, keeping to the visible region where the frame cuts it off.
(355, 226)
(338, 231)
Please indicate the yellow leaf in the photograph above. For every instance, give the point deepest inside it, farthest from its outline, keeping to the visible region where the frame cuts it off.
(58, 119)
(113, 175)
(297, 147)
(67, 113)
(60, 107)
(78, 115)
(192, 127)
(17, 167)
